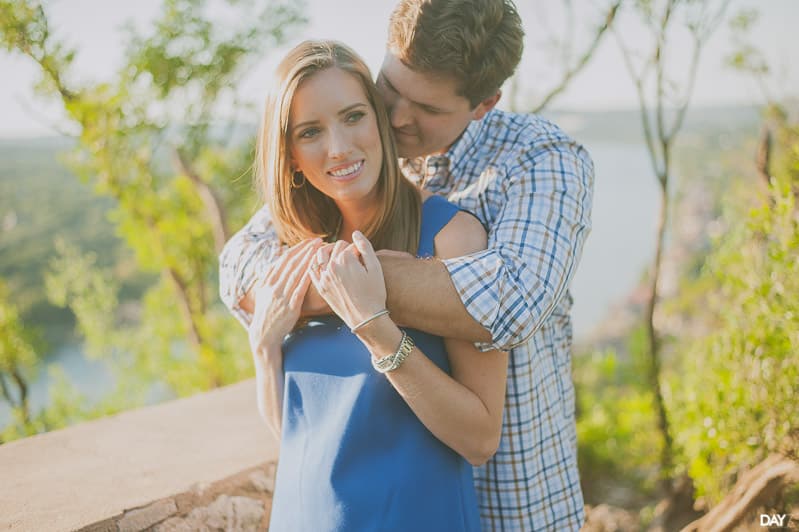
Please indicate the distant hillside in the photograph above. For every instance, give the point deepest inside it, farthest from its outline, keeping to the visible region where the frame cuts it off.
(40, 200)
(625, 126)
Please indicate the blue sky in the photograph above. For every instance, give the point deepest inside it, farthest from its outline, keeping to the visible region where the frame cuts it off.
(92, 26)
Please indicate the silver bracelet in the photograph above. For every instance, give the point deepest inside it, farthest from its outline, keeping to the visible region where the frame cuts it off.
(394, 360)
(368, 320)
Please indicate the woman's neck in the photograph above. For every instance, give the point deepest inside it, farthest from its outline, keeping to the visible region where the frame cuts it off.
(354, 218)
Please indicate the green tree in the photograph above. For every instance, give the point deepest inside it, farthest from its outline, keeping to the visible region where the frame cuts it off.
(736, 401)
(18, 359)
(151, 140)
(663, 101)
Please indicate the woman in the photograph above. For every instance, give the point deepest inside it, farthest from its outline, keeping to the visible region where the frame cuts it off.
(378, 425)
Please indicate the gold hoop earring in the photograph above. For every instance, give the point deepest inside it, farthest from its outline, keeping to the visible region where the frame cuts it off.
(294, 183)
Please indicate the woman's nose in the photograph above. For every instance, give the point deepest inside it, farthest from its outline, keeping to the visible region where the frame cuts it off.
(340, 144)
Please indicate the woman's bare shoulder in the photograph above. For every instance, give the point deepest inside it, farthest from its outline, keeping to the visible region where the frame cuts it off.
(464, 234)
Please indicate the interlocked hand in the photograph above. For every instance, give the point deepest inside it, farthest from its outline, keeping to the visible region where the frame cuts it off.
(350, 279)
(278, 299)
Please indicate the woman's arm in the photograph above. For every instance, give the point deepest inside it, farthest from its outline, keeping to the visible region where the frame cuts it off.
(277, 309)
(269, 386)
(463, 410)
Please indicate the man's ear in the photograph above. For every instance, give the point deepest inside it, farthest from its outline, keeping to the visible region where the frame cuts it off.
(486, 105)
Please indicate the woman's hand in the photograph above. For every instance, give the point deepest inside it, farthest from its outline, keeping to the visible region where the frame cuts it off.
(278, 300)
(350, 279)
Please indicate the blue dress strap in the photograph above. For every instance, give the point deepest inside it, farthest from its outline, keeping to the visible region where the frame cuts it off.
(436, 213)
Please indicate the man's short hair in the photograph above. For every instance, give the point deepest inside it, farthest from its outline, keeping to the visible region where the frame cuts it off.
(477, 42)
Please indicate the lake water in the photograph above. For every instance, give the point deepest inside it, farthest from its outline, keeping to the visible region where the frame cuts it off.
(622, 240)
(618, 249)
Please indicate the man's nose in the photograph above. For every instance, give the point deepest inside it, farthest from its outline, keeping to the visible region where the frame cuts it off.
(340, 144)
(400, 113)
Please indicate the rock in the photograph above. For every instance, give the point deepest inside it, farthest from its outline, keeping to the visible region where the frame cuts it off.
(606, 518)
(143, 518)
(262, 481)
(223, 515)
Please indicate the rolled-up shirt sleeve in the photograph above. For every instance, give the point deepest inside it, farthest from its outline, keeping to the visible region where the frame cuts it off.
(534, 243)
(244, 259)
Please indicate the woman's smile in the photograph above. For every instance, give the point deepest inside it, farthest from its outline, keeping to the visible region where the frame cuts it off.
(346, 172)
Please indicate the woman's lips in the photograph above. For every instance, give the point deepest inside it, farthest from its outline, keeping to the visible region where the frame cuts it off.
(346, 172)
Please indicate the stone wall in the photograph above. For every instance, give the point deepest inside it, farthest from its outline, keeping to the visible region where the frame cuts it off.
(239, 503)
(205, 459)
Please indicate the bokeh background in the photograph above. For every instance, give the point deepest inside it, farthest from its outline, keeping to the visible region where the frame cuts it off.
(125, 151)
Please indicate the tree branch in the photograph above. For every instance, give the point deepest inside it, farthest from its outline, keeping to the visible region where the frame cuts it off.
(638, 81)
(583, 61)
(23, 394)
(763, 157)
(185, 306)
(756, 489)
(213, 205)
(6, 391)
(683, 107)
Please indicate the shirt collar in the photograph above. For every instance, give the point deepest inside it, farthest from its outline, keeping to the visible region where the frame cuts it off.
(467, 139)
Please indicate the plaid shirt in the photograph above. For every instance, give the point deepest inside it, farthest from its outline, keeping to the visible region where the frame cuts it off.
(531, 186)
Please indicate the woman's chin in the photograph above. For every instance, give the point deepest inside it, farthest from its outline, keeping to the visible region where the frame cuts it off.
(355, 192)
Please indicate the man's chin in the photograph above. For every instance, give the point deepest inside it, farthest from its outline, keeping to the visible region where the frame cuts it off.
(407, 145)
(408, 152)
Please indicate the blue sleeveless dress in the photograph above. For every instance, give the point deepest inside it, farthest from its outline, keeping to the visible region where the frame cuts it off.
(353, 455)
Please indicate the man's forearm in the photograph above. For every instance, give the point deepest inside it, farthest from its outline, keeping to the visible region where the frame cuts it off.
(421, 295)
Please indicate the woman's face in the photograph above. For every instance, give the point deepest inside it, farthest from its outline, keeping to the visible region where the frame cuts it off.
(334, 137)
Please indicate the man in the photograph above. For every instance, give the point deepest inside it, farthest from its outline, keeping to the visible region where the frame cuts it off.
(531, 186)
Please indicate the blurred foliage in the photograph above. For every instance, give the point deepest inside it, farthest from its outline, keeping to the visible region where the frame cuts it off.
(32, 177)
(731, 372)
(746, 56)
(18, 358)
(617, 433)
(20, 363)
(664, 90)
(67, 405)
(174, 179)
(737, 381)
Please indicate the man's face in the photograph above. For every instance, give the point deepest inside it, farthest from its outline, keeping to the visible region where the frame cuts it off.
(427, 114)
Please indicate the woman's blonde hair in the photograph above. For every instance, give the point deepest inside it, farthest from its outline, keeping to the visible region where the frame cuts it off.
(305, 212)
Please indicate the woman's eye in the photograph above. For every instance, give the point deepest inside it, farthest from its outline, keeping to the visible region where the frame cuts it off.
(355, 116)
(308, 133)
